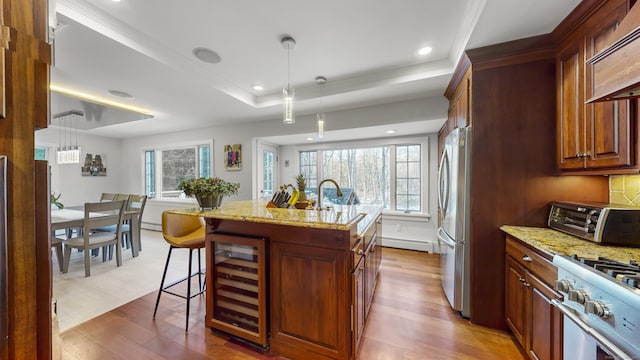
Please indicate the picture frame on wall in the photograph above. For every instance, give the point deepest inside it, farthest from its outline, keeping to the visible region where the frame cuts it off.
(233, 157)
(93, 166)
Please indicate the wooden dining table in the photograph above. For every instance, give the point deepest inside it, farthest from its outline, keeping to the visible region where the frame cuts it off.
(73, 217)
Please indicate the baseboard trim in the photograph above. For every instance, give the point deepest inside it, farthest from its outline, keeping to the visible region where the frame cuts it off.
(410, 245)
(151, 226)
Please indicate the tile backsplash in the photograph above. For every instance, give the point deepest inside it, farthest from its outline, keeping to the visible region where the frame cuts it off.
(624, 189)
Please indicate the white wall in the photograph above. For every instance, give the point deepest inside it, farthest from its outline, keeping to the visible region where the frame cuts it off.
(67, 179)
(124, 158)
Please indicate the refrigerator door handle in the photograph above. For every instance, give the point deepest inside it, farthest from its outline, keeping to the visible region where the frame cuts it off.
(445, 238)
(443, 184)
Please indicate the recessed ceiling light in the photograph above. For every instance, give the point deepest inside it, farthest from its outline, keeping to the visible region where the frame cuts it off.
(207, 55)
(309, 139)
(115, 0)
(391, 131)
(425, 50)
(121, 94)
(258, 87)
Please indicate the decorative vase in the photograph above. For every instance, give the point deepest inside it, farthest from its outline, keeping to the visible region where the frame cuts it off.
(209, 201)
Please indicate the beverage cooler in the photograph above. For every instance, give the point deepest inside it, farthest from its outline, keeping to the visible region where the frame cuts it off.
(237, 291)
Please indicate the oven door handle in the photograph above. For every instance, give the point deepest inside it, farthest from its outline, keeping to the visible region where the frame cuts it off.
(606, 344)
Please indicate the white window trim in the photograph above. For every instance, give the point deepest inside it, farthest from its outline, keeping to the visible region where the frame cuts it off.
(158, 160)
(422, 140)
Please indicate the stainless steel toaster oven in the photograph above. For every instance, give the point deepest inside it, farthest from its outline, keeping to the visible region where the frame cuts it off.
(603, 223)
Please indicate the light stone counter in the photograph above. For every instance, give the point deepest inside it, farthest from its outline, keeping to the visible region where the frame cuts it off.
(341, 217)
(555, 242)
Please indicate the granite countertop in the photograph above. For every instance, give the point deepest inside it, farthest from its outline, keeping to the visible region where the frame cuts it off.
(555, 242)
(340, 217)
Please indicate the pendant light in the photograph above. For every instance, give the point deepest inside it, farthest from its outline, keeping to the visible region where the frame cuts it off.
(321, 80)
(288, 117)
(68, 152)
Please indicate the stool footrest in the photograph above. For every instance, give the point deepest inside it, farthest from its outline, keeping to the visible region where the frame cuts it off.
(166, 288)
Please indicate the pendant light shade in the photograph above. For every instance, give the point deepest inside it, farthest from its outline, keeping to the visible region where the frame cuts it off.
(288, 117)
(320, 125)
(67, 152)
(321, 80)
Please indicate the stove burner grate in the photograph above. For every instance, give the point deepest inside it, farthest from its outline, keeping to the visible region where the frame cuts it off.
(628, 274)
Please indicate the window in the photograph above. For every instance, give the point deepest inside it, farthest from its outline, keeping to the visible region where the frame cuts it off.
(390, 175)
(41, 153)
(166, 168)
(309, 168)
(408, 177)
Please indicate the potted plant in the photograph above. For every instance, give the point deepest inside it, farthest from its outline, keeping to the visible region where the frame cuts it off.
(54, 201)
(208, 191)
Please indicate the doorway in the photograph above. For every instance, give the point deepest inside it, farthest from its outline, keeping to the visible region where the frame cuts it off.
(267, 170)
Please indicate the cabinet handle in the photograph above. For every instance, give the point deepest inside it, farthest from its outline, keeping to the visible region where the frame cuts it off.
(527, 258)
(521, 280)
(526, 284)
(360, 252)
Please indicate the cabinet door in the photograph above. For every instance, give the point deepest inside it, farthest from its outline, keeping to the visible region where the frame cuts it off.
(310, 300)
(608, 124)
(515, 310)
(570, 121)
(370, 270)
(462, 103)
(358, 309)
(544, 329)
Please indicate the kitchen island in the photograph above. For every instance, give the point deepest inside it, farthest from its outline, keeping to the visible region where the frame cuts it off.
(299, 282)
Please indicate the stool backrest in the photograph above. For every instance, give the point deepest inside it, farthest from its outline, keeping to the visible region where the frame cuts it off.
(179, 225)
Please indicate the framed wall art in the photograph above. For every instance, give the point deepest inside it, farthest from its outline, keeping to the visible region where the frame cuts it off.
(93, 166)
(233, 157)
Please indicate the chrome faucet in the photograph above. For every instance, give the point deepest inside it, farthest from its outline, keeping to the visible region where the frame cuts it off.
(338, 191)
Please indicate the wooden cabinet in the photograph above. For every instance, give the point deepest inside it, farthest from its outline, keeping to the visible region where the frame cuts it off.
(358, 310)
(459, 114)
(237, 303)
(596, 136)
(535, 322)
(365, 278)
(310, 301)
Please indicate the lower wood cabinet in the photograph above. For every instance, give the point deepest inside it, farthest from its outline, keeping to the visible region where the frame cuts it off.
(535, 322)
(358, 312)
(309, 302)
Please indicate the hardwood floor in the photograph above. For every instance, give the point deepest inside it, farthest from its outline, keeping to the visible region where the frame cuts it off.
(409, 319)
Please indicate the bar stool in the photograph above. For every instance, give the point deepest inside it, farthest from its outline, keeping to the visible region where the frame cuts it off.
(182, 232)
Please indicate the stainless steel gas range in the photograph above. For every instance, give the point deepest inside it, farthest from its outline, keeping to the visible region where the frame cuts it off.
(601, 307)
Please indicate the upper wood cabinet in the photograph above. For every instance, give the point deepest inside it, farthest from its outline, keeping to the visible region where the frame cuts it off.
(595, 137)
(459, 114)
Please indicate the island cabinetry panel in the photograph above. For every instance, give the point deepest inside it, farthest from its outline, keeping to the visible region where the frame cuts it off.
(310, 305)
(237, 296)
(358, 312)
(597, 136)
(535, 322)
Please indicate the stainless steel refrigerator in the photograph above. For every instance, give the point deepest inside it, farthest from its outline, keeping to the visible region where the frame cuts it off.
(453, 233)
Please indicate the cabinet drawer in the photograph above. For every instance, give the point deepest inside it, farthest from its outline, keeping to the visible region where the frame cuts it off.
(532, 260)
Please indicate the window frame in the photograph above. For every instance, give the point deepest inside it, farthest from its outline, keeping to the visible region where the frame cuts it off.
(422, 140)
(158, 166)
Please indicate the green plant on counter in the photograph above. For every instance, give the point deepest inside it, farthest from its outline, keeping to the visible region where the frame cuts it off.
(208, 186)
(54, 201)
(302, 185)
